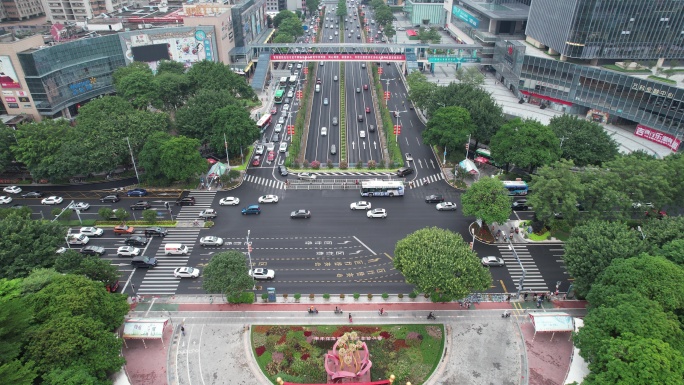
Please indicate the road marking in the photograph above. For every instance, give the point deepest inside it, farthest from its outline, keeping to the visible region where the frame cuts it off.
(364, 245)
(388, 256)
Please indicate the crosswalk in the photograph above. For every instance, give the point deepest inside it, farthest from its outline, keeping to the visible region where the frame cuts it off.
(160, 279)
(203, 200)
(426, 180)
(271, 183)
(533, 278)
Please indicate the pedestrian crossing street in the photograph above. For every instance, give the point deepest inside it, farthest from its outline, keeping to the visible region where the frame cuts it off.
(160, 279)
(533, 278)
(271, 183)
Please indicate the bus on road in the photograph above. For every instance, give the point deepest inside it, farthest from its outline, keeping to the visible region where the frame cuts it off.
(264, 122)
(515, 187)
(279, 95)
(283, 81)
(382, 188)
(293, 80)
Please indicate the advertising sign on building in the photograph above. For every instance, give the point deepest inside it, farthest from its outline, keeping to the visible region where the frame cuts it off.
(337, 57)
(656, 136)
(8, 77)
(465, 16)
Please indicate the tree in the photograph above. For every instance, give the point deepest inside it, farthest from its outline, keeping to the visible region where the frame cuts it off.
(526, 143)
(449, 127)
(170, 67)
(556, 189)
(585, 143)
(149, 160)
(599, 193)
(172, 90)
(15, 319)
(291, 26)
(675, 166)
(98, 270)
(470, 75)
(673, 251)
(150, 216)
(661, 232)
(17, 373)
(283, 38)
(637, 316)
(282, 16)
(487, 199)
(41, 277)
(654, 278)
(27, 244)
(389, 31)
(383, 15)
(135, 67)
(428, 35)
(194, 118)
(312, 5)
(7, 140)
(233, 124)
(633, 360)
(38, 143)
(180, 159)
(138, 88)
(440, 264)
(218, 76)
(421, 91)
(592, 247)
(646, 179)
(226, 273)
(121, 215)
(341, 8)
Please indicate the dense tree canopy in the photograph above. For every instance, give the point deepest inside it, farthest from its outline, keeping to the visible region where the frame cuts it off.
(237, 126)
(179, 159)
(226, 273)
(449, 128)
(38, 144)
(283, 15)
(440, 264)
(487, 199)
(525, 143)
(210, 75)
(556, 192)
(194, 119)
(585, 143)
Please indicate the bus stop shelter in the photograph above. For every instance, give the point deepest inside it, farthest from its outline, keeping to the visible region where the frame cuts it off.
(551, 323)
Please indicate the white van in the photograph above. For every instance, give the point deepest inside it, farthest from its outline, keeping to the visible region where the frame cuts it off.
(175, 249)
(318, 88)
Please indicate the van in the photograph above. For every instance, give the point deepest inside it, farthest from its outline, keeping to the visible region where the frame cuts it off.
(324, 131)
(333, 149)
(175, 249)
(144, 262)
(318, 88)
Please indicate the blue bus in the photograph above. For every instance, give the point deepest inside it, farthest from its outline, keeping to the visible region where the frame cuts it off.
(515, 187)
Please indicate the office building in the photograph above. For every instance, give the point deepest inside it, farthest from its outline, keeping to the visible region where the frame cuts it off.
(80, 10)
(20, 9)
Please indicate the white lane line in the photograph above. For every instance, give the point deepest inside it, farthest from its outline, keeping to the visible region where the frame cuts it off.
(364, 245)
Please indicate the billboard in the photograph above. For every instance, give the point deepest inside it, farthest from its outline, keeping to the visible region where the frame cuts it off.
(337, 57)
(8, 77)
(656, 136)
(183, 49)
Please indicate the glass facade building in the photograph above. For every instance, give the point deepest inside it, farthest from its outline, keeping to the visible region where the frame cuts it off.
(66, 74)
(609, 29)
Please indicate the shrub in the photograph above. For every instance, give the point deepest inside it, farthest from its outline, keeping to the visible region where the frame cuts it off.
(305, 164)
(285, 296)
(264, 296)
(370, 296)
(105, 213)
(295, 163)
(312, 296)
(371, 164)
(297, 296)
(315, 165)
(400, 295)
(413, 295)
(150, 216)
(326, 296)
(343, 165)
(385, 295)
(246, 297)
(209, 224)
(342, 296)
(357, 295)
(329, 163)
(359, 165)
(381, 163)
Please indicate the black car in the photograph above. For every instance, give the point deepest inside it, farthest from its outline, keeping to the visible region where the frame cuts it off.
(93, 250)
(404, 171)
(156, 232)
(187, 201)
(141, 205)
(282, 170)
(33, 194)
(136, 241)
(113, 198)
(434, 199)
(520, 205)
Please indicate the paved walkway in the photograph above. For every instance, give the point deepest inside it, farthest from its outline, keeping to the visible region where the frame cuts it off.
(481, 347)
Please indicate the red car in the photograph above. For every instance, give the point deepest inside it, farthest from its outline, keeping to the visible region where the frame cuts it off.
(365, 87)
(271, 156)
(274, 111)
(256, 161)
(368, 110)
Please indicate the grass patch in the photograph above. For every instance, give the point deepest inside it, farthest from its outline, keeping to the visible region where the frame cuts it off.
(76, 223)
(540, 237)
(396, 158)
(410, 352)
(661, 79)
(620, 69)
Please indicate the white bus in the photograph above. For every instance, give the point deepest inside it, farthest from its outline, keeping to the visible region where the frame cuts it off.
(283, 81)
(293, 80)
(382, 188)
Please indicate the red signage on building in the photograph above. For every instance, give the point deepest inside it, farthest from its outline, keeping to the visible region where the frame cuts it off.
(656, 136)
(338, 57)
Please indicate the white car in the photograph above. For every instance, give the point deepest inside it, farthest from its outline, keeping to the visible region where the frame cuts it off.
(306, 176)
(80, 206)
(278, 128)
(5, 200)
(377, 213)
(127, 251)
(270, 146)
(91, 231)
(360, 205)
(445, 206)
(52, 200)
(268, 199)
(229, 201)
(286, 107)
(409, 157)
(12, 189)
(211, 241)
(362, 134)
(262, 273)
(259, 149)
(186, 272)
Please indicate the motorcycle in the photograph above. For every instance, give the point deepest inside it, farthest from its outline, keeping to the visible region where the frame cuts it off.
(313, 310)
(338, 311)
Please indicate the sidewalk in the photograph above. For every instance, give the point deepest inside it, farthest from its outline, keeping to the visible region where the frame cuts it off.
(216, 345)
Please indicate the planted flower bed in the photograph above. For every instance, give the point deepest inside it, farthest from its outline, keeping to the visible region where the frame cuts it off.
(296, 353)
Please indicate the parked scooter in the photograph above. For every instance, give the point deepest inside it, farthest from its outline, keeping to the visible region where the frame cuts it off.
(313, 310)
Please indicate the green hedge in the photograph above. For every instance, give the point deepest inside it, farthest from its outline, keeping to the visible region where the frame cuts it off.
(387, 123)
(343, 119)
(300, 121)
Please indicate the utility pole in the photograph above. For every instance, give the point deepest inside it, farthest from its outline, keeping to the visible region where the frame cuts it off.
(225, 142)
(249, 255)
(133, 159)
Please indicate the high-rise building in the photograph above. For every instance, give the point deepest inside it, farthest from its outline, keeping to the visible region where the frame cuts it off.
(80, 10)
(609, 29)
(20, 9)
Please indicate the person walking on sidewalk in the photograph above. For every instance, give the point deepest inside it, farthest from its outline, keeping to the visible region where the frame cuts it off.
(350, 318)
(182, 330)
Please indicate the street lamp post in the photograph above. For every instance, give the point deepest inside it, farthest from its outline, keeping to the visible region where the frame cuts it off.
(249, 255)
(137, 176)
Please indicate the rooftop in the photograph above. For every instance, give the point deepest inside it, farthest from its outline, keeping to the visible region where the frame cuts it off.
(505, 11)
